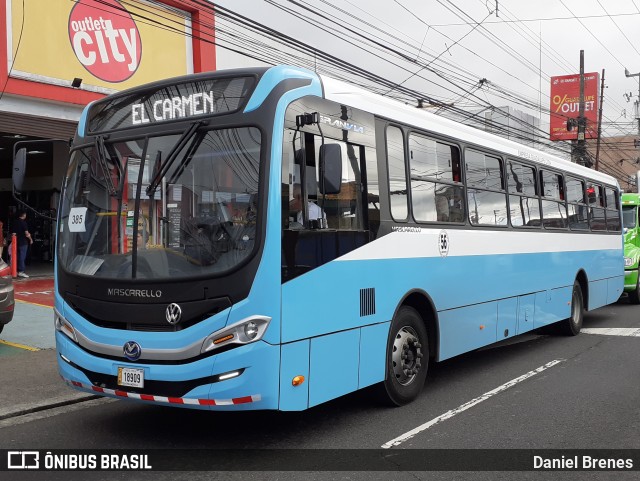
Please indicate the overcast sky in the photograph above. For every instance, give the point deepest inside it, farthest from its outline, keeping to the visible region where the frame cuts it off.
(516, 49)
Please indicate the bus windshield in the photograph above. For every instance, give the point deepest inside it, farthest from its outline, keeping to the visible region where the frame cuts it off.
(171, 206)
(629, 216)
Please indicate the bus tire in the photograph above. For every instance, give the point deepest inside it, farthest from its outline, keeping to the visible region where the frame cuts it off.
(573, 324)
(634, 297)
(407, 358)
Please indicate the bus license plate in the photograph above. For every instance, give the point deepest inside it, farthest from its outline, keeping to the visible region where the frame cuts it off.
(129, 376)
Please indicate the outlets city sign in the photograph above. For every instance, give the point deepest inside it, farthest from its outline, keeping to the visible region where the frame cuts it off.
(105, 39)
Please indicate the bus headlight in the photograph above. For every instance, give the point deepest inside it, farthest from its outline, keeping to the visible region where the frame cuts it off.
(245, 331)
(251, 330)
(628, 261)
(64, 326)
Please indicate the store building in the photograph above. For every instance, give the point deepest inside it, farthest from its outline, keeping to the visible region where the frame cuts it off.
(56, 56)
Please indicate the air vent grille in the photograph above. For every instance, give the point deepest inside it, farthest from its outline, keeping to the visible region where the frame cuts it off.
(367, 301)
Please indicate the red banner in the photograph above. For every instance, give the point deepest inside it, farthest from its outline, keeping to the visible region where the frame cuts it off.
(565, 106)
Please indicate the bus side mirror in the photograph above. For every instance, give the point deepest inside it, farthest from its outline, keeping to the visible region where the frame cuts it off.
(19, 168)
(330, 169)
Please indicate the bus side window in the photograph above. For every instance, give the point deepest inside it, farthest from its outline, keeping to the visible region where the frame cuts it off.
(554, 208)
(344, 210)
(397, 174)
(487, 200)
(436, 187)
(292, 158)
(597, 219)
(372, 191)
(524, 205)
(612, 198)
(576, 202)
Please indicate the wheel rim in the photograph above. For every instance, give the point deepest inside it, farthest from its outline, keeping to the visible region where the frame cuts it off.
(406, 355)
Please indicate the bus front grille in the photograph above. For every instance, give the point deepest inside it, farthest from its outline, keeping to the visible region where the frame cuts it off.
(144, 317)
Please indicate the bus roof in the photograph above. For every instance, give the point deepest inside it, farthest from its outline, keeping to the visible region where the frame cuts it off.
(360, 98)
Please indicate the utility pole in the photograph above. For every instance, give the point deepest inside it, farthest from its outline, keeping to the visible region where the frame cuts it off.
(600, 120)
(579, 153)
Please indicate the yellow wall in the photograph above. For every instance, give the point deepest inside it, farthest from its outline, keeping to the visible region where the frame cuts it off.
(46, 54)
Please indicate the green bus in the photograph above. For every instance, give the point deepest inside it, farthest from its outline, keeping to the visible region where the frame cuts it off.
(630, 203)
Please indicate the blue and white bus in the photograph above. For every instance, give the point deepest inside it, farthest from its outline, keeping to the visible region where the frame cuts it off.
(271, 238)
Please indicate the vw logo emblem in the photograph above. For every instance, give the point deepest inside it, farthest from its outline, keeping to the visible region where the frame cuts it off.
(173, 313)
(132, 350)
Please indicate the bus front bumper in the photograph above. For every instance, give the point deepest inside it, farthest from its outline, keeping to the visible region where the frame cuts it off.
(244, 378)
(630, 279)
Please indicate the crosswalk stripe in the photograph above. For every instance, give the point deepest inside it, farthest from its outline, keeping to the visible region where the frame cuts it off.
(614, 331)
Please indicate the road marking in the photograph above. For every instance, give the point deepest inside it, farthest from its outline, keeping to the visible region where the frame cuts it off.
(39, 292)
(449, 414)
(614, 331)
(21, 346)
(33, 303)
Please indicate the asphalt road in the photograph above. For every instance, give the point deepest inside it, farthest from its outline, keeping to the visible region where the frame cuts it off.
(534, 392)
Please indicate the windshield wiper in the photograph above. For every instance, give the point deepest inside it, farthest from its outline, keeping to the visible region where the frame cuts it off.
(182, 141)
(187, 157)
(102, 154)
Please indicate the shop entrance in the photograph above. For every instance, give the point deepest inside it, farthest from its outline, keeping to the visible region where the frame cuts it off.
(39, 196)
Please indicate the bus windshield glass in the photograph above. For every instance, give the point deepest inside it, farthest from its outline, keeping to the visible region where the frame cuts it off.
(629, 216)
(171, 206)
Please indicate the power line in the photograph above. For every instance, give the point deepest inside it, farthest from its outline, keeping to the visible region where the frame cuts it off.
(410, 92)
(330, 63)
(591, 33)
(541, 19)
(618, 27)
(441, 54)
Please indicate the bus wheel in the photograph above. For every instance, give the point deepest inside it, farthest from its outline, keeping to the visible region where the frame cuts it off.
(573, 325)
(634, 297)
(407, 358)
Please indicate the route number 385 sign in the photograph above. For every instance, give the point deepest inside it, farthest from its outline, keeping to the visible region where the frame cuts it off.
(77, 218)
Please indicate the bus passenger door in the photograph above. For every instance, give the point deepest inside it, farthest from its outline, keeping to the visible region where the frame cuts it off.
(319, 227)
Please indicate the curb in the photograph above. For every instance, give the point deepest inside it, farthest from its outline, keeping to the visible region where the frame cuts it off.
(21, 411)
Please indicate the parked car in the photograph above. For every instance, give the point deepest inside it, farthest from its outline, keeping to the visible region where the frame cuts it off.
(7, 301)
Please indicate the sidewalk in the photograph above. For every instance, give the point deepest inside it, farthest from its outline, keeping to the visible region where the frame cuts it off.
(28, 370)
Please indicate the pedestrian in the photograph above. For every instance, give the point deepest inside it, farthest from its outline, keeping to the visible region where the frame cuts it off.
(21, 229)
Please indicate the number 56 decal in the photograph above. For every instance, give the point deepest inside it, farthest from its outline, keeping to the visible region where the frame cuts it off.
(77, 218)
